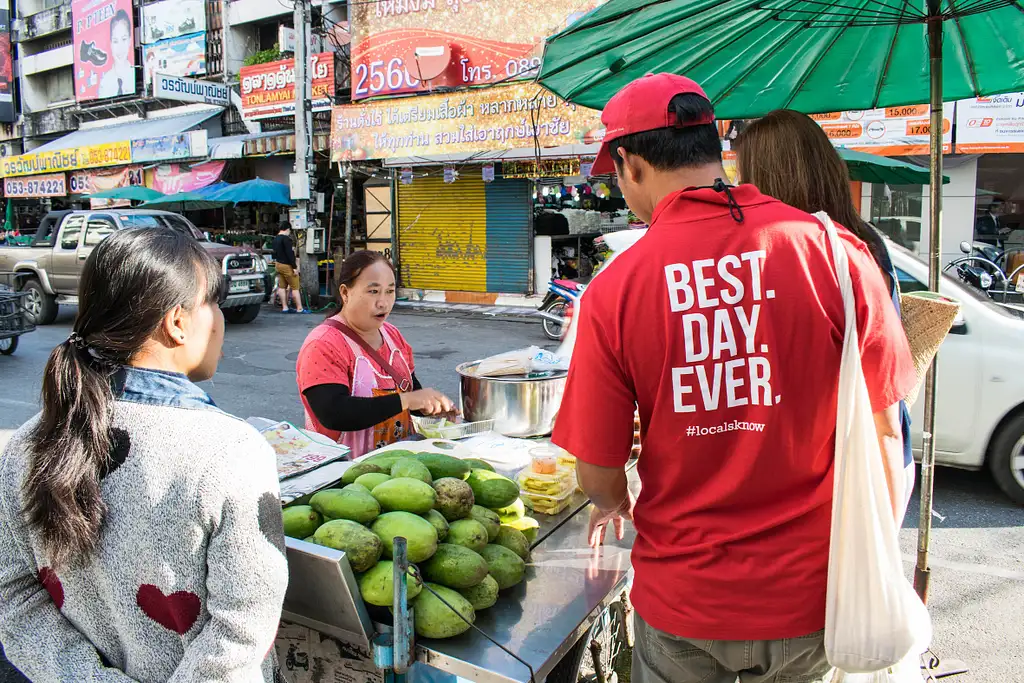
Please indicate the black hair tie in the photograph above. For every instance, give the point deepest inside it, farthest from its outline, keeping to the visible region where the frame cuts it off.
(734, 207)
(78, 341)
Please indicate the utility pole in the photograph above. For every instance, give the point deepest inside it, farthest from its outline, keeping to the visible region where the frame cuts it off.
(303, 145)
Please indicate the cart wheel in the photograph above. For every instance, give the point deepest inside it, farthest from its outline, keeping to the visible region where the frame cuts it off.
(7, 346)
(609, 630)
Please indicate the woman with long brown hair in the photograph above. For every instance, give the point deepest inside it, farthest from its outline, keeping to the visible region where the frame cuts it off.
(140, 526)
(355, 371)
(788, 156)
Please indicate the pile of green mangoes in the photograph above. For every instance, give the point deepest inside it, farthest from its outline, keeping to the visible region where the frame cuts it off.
(465, 526)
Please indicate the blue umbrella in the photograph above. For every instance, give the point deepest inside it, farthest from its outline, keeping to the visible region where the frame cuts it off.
(205, 192)
(257, 191)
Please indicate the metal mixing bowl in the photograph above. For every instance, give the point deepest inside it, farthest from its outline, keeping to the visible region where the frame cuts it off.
(520, 406)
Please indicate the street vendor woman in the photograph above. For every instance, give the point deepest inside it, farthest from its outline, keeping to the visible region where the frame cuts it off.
(356, 373)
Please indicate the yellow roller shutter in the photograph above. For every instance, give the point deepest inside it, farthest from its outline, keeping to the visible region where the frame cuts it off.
(442, 232)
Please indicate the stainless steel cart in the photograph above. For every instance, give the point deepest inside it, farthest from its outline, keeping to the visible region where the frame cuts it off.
(544, 621)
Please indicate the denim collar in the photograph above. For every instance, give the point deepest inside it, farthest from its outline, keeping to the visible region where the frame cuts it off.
(159, 388)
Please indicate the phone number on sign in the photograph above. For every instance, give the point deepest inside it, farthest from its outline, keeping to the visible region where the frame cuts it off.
(51, 187)
(379, 77)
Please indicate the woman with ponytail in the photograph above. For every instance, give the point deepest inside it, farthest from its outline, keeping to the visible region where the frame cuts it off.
(140, 526)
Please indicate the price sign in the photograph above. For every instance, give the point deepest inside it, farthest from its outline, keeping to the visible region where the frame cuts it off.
(49, 185)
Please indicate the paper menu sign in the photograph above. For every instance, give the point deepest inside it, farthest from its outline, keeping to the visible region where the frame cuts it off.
(297, 452)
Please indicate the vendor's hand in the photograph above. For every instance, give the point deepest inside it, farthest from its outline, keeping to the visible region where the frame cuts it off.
(427, 402)
(599, 520)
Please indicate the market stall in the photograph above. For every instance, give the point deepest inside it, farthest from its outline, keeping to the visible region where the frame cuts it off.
(535, 629)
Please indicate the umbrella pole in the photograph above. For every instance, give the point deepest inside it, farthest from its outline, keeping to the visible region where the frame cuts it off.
(922, 572)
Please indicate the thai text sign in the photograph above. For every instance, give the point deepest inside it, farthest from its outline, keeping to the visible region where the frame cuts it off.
(990, 124)
(92, 156)
(169, 87)
(504, 117)
(49, 185)
(403, 46)
(269, 89)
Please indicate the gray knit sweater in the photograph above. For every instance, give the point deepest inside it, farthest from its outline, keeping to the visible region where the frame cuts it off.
(189, 576)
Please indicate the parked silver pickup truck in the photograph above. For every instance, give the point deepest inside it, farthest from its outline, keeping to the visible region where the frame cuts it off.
(48, 269)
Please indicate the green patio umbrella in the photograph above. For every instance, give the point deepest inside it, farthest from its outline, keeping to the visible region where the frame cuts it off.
(136, 193)
(872, 168)
(183, 201)
(815, 56)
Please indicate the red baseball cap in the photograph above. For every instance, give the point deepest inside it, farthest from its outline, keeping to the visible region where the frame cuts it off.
(642, 106)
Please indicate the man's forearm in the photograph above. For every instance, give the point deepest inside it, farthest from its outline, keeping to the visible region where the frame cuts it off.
(606, 487)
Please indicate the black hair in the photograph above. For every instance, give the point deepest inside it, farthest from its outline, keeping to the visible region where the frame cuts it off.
(284, 225)
(128, 284)
(687, 146)
(120, 16)
(352, 267)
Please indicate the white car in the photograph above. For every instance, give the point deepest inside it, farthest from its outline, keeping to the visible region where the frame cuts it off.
(979, 418)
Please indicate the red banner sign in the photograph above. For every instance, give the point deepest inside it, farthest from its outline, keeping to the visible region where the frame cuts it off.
(268, 90)
(174, 178)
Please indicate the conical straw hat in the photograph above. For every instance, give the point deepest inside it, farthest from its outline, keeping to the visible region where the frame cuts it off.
(927, 319)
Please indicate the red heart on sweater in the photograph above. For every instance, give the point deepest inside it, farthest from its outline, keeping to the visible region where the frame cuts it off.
(52, 584)
(176, 612)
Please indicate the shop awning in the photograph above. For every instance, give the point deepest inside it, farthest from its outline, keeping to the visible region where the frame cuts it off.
(136, 130)
(270, 143)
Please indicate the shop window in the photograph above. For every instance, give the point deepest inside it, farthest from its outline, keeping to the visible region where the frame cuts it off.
(72, 231)
(98, 229)
(896, 211)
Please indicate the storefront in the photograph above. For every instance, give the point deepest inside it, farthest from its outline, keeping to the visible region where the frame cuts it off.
(64, 172)
(467, 176)
(458, 232)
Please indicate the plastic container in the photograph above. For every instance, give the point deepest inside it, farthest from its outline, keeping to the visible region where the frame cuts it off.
(543, 460)
(548, 505)
(440, 428)
(561, 482)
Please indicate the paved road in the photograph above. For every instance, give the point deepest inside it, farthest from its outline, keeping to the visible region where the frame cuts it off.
(978, 543)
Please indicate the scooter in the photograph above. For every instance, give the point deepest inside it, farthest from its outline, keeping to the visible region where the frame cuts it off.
(556, 308)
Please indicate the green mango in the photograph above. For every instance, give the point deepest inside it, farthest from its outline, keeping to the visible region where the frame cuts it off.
(468, 533)
(442, 466)
(491, 489)
(350, 504)
(514, 540)
(505, 566)
(372, 480)
(412, 469)
(406, 495)
(455, 566)
(362, 547)
(454, 498)
(439, 522)
(435, 619)
(483, 595)
(359, 469)
(300, 521)
(377, 586)
(420, 535)
(490, 520)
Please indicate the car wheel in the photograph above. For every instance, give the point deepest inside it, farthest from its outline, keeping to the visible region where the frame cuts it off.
(242, 315)
(40, 307)
(1006, 458)
(8, 345)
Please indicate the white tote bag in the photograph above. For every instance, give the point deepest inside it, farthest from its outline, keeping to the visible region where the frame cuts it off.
(874, 621)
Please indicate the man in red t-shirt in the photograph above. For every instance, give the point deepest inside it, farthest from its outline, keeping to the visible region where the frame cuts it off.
(723, 326)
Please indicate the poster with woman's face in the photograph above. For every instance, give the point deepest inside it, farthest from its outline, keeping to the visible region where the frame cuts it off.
(104, 58)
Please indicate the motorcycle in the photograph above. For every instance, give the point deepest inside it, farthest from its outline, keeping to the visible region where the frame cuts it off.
(556, 308)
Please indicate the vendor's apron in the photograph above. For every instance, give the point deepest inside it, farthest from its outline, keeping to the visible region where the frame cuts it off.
(367, 382)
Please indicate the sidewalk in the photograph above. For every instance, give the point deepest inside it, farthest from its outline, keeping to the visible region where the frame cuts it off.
(517, 313)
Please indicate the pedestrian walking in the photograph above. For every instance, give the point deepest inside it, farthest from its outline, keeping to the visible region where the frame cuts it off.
(287, 268)
(788, 156)
(142, 537)
(356, 372)
(730, 350)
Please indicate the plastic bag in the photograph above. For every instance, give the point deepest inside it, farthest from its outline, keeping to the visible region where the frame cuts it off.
(521, 362)
(873, 618)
